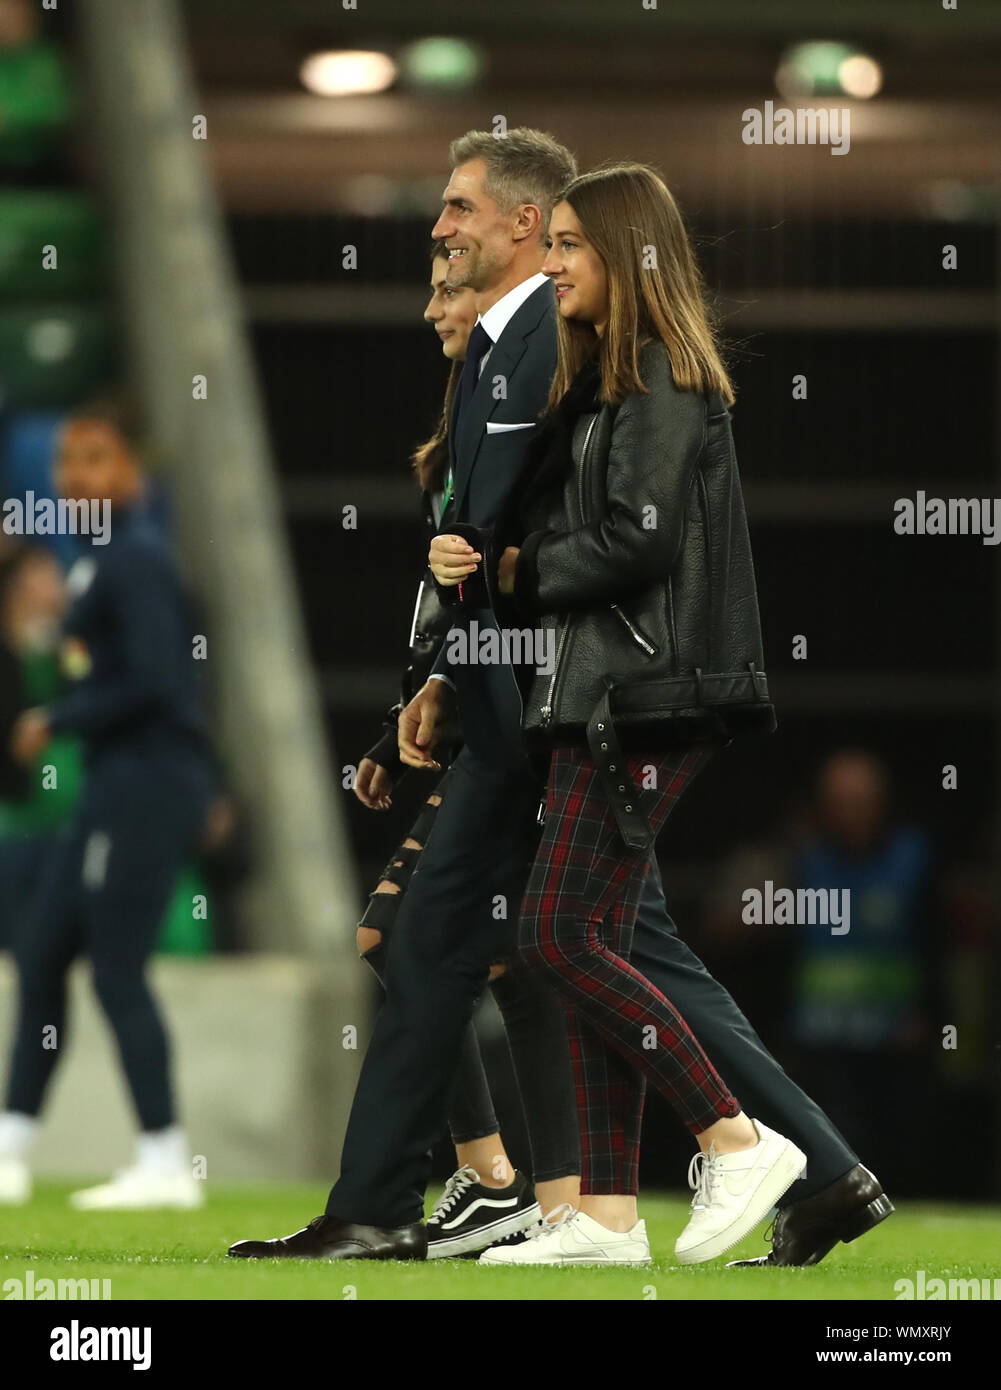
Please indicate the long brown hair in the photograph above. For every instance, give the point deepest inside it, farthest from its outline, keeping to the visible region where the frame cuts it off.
(429, 460)
(655, 288)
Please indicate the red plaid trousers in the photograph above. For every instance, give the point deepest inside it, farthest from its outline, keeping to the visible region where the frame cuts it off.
(577, 921)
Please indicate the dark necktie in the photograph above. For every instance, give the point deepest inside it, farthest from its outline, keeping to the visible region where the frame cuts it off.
(479, 342)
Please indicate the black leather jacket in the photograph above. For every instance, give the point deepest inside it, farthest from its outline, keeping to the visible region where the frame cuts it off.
(641, 562)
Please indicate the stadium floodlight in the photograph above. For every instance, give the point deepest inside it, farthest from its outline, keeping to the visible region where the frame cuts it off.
(441, 63)
(860, 76)
(827, 68)
(347, 72)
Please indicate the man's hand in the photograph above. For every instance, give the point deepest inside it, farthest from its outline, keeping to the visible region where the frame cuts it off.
(29, 735)
(419, 722)
(452, 560)
(505, 569)
(373, 785)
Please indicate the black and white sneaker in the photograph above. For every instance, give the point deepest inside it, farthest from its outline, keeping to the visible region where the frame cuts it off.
(468, 1216)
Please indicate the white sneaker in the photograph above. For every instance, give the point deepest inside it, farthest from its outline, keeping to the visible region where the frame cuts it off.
(137, 1189)
(573, 1238)
(15, 1182)
(734, 1192)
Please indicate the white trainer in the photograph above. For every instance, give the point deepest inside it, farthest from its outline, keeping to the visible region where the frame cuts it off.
(15, 1181)
(570, 1237)
(136, 1189)
(734, 1192)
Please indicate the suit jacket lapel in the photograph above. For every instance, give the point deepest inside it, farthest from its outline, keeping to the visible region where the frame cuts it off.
(504, 357)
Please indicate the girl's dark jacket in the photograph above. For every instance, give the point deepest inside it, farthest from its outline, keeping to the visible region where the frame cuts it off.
(635, 551)
(431, 622)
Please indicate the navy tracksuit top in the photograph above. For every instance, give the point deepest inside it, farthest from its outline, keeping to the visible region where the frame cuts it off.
(127, 653)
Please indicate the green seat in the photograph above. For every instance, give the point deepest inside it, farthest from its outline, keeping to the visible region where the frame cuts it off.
(31, 219)
(52, 355)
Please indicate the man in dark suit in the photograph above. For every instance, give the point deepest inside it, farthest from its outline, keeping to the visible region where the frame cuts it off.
(461, 908)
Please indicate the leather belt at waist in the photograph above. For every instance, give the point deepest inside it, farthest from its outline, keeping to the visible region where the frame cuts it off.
(615, 778)
(697, 691)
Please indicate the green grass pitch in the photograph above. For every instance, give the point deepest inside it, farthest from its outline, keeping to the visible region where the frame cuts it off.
(170, 1255)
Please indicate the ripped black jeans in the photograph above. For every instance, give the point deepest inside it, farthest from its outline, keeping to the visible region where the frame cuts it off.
(534, 1021)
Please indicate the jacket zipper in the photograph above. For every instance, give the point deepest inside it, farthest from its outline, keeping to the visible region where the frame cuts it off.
(634, 630)
(674, 631)
(637, 635)
(580, 479)
(547, 708)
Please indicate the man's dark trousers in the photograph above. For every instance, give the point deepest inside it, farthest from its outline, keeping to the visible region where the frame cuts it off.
(764, 1090)
(459, 915)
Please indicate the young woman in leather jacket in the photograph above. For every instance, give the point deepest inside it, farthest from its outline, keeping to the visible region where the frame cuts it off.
(628, 538)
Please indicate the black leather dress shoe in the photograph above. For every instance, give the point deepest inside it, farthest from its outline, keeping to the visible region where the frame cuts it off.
(328, 1239)
(805, 1231)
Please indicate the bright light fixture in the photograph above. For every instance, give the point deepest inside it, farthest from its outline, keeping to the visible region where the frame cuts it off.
(860, 76)
(349, 72)
(826, 68)
(442, 62)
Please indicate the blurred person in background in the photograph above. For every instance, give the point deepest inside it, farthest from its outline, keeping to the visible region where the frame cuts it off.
(133, 700)
(755, 954)
(865, 1003)
(35, 97)
(33, 806)
(32, 603)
